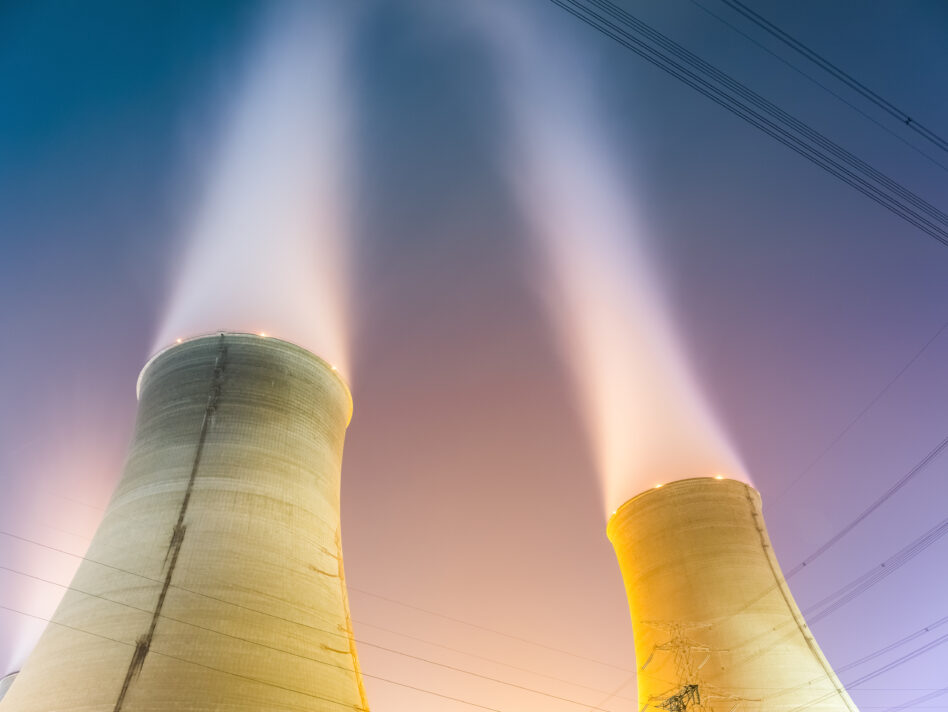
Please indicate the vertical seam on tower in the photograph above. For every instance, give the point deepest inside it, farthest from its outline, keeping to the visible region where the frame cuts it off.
(143, 644)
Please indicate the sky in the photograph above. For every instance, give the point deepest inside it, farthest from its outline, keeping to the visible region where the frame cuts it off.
(806, 318)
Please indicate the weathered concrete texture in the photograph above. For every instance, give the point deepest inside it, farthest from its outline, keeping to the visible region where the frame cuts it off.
(215, 581)
(5, 683)
(710, 606)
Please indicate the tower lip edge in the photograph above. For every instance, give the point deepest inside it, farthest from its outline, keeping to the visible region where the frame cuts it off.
(620, 511)
(226, 332)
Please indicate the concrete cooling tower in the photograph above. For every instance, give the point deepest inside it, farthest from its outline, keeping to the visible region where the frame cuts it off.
(215, 581)
(5, 683)
(715, 625)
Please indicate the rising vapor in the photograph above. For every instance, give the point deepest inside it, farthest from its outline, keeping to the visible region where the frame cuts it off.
(266, 251)
(646, 419)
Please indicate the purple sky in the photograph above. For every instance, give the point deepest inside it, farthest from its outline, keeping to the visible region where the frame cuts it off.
(469, 486)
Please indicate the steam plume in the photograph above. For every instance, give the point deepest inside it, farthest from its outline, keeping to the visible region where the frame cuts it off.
(646, 419)
(266, 251)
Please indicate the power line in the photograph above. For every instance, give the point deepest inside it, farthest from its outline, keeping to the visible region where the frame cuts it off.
(832, 69)
(262, 682)
(877, 672)
(921, 465)
(818, 83)
(294, 622)
(350, 588)
(839, 598)
(875, 399)
(857, 587)
(848, 592)
(615, 693)
(189, 662)
(178, 620)
(769, 107)
(873, 184)
(271, 615)
(485, 628)
(899, 661)
(913, 704)
(869, 676)
(361, 623)
(251, 679)
(823, 608)
(891, 646)
(167, 617)
(662, 61)
(853, 590)
(885, 649)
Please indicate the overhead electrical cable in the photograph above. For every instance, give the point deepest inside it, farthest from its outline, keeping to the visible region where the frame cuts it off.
(252, 679)
(164, 616)
(871, 656)
(152, 651)
(832, 69)
(892, 646)
(767, 106)
(900, 661)
(811, 145)
(819, 610)
(914, 704)
(878, 671)
(350, 588)
(815, 612)
(875, 399)
(844, 595)
(358, 622)
(253, 610)
(615, 693)
(485, 628)
(858, 586)
(494, 661)
(271, 615)
(852, 590)
(818, 83)
(906, 478)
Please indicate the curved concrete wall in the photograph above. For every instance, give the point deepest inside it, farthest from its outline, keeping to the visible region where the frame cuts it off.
(215, 581)
(712, 616)
(5, 683)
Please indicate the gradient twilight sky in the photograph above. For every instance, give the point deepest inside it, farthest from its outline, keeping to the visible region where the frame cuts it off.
(469, 483)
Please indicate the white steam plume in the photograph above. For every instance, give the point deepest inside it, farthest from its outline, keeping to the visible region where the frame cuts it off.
(266, 250)
(645, 416)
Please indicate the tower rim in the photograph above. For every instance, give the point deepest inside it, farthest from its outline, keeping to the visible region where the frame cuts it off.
(662, 490)
(331, 369)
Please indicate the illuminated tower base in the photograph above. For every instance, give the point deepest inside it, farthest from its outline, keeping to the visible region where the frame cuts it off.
(715, 625)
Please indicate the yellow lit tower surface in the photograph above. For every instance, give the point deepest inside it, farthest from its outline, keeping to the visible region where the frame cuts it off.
(215, 581)
(716, 627)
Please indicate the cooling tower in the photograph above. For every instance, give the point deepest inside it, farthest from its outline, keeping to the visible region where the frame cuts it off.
(715, 625)
(5, 683)
(215, 581)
